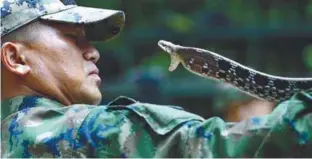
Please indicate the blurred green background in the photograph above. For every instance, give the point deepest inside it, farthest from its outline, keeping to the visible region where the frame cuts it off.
(273, 36)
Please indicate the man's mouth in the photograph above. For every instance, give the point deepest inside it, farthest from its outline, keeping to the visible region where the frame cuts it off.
(95, 74)
(95, 71)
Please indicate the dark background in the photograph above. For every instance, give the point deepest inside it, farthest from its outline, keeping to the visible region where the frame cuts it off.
(273, 36)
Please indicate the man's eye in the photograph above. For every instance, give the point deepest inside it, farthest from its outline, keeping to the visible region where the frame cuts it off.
(75, 38)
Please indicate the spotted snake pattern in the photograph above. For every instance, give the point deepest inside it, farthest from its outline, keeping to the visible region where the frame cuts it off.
(214, 66)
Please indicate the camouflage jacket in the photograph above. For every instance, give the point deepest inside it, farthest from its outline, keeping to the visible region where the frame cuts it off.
(33, 126)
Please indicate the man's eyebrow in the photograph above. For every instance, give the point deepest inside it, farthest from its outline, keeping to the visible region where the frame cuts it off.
(76, 31)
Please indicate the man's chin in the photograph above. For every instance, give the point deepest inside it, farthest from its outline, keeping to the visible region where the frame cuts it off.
(92, 97)
(96, 99)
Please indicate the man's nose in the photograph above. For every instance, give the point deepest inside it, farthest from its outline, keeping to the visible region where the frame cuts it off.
(91, 54)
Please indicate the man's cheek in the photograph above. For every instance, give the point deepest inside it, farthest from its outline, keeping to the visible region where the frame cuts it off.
(76, 76)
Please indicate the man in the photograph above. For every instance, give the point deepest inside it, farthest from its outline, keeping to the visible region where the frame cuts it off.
(49, 88)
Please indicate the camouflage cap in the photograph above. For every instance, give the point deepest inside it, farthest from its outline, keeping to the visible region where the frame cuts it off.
(100, 24)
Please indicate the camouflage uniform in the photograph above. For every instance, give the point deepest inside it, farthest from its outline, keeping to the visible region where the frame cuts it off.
(34, 126)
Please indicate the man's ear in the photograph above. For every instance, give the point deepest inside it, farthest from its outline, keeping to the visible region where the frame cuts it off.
(13, 58)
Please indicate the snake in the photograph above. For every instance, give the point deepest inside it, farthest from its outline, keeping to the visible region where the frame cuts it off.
(212, 65)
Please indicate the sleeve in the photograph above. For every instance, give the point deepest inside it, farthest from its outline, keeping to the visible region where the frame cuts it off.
(286, 132)
(127, 133)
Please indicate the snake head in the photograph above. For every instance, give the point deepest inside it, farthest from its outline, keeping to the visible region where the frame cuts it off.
(171, 49)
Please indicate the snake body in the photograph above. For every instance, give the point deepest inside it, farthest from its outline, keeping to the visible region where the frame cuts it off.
(214, 66)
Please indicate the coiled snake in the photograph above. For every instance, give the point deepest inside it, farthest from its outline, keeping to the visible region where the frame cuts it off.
(214, 66)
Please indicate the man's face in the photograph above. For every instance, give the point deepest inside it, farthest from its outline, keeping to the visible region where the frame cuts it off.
(63, 64)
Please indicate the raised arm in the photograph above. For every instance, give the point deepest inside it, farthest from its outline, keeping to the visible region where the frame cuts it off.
(146, 130)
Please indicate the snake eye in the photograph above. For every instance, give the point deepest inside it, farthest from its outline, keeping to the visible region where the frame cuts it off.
(167, 46)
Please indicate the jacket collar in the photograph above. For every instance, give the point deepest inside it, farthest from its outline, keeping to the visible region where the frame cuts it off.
(19, 103)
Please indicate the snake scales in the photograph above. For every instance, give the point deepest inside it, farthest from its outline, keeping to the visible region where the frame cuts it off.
(212, 65)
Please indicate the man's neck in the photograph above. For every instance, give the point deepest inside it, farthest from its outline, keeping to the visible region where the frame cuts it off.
(12, 87)
(13, 91)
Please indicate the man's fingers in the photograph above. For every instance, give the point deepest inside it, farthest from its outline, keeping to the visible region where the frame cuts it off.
(168, 46)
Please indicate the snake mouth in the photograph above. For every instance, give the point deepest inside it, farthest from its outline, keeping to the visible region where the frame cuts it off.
(174, 62)
(170, 48)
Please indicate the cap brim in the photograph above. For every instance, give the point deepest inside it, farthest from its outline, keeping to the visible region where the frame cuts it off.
(100, 24)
